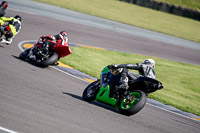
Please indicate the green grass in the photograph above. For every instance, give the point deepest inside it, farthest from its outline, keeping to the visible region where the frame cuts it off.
(180, 80)
(135, 15)
(191, 4)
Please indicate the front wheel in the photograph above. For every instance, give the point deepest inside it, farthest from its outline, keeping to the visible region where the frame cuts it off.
(90, 92)
(24, 54)
(135, 103)
(50, 61)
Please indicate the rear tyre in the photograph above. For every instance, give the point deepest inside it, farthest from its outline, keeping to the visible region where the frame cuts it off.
(135, 105)
(90, 92)
(50, 61)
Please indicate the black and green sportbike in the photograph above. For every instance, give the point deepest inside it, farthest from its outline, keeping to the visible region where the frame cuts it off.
(127, 103)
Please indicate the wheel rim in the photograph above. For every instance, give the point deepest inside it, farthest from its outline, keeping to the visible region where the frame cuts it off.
(127, 104)
(90, 91)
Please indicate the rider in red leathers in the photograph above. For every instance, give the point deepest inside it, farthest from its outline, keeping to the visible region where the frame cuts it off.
(60, 38)
(49, 41)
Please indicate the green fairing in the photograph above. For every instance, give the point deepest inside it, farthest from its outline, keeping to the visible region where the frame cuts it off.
(103, 96)
(105, 70)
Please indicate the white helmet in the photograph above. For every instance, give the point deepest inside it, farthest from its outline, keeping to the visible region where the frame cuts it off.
(150, 61)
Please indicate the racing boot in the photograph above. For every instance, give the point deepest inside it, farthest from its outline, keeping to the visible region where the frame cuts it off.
(56, 63)
(8, 42)
(32, 55)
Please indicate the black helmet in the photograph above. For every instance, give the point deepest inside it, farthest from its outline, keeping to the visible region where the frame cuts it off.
(4, 4)
(18, 17)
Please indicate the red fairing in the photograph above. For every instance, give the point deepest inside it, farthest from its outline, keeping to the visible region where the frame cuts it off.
(62, 50)
(37, 45)
(49, 37)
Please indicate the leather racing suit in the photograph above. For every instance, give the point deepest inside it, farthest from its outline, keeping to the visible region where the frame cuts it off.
(120, 81)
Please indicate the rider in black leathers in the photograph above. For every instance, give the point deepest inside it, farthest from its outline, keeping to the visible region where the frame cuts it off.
(3, 7)
(120, 79)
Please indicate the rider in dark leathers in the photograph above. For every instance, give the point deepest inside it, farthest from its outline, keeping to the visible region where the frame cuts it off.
(3, 7)
(120, 79)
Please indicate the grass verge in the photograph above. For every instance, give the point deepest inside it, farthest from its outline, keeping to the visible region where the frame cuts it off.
(180, 80)
(135, 15)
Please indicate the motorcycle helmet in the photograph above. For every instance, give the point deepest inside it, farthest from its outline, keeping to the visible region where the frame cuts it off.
(18, 17)
(63, 34)
(150, 61)
(4, 4)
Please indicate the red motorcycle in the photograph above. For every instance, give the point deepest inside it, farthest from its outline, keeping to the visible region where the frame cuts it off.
(45, 56)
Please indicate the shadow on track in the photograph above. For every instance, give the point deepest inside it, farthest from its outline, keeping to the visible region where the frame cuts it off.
(28, 61)
(94, 103)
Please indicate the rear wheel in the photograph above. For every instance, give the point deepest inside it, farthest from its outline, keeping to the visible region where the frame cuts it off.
(90, 92)
(50, 61)
(134, 104)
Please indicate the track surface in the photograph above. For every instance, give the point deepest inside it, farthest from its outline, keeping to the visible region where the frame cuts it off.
(36, 100)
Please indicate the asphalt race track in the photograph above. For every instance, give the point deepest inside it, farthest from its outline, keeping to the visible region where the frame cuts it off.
(37, 100)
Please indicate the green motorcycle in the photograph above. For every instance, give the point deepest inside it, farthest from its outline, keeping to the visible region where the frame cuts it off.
(127, 104)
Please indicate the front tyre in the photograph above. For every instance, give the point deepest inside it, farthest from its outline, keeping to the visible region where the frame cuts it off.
(50, 61)
(90, 92)
(24, 54)
(133, 106)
